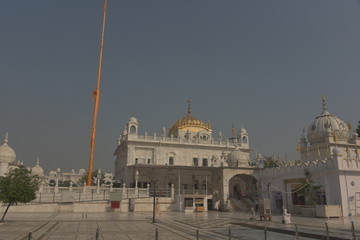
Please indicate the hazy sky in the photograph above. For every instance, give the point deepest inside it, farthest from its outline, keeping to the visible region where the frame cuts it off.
(260, 64)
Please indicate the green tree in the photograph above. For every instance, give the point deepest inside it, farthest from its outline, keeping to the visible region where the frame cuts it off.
(66, 183)
(18, 186)
(270, 162)
(358, 129)
(309, 189)
(84, 177)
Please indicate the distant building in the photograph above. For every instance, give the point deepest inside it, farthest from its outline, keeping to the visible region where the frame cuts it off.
(7, 157)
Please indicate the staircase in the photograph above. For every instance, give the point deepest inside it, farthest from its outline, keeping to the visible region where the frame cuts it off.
(242, 205)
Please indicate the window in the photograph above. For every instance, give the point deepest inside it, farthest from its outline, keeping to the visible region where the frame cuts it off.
(195, 161)
(244, 139)
(189, 202)
(196, 185)
(204, 137)
(132, 129)
(171, 160)
(205, 162)
(136, 160)
(149, 160)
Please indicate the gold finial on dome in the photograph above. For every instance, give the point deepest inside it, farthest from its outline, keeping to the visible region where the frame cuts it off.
(189, 105)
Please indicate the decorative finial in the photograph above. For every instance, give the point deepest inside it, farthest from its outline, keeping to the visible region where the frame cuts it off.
(324, 104)
(38, 162)
(189, 106)
(6, 139)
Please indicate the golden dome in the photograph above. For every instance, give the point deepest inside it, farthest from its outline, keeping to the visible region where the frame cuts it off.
(189, 123)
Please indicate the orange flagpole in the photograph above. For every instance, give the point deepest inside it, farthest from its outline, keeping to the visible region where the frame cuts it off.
(96, 94)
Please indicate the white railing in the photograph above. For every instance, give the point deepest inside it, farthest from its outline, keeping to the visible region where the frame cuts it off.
(179, 140)
(80, 194)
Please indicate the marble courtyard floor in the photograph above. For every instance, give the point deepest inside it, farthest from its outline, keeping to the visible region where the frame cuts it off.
(169, 226)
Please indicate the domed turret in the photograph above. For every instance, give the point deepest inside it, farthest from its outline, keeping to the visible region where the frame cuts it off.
(243, 130)
(37, 170)
(132, 119)
(327, 124)
(236, 158)
(7, 154)
(132, 126)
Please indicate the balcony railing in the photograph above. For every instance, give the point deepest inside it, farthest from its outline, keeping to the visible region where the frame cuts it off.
(179, 140)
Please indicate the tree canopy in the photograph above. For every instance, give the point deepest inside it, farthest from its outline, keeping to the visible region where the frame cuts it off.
(83, 179)
(270, 162)
(358, 129)
(18, 186)
(310, 189)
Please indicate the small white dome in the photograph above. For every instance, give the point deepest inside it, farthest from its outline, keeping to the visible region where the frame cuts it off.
(7, 154)
(243, 130)
(236, 159)
(133, 119)
(337, 152)
(326, 124)
(37, 170)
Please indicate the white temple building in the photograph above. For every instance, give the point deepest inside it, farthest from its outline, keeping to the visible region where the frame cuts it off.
(330, 152)
(202, 171)
(7, 157)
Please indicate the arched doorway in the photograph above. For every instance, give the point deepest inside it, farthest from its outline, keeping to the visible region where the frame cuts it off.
(243, 186)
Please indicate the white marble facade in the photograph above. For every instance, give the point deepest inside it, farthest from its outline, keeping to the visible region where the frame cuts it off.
(330, 152)
(188, 157)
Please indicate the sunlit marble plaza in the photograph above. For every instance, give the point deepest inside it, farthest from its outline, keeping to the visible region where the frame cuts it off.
(170, 225)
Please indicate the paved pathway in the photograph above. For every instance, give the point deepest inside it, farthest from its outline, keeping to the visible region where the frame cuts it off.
(170, 226)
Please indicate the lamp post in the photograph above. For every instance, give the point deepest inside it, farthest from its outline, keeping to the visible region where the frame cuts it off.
(154, 192)
(136, 182)
(151, 177)
(136, 178)
(98, 179)
(57, 180)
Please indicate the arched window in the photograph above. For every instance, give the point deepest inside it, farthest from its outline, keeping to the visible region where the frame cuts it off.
(205, 162)
(244, 139)
(132, 129)
(171, 158)
(196, 185)
(195, 160)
